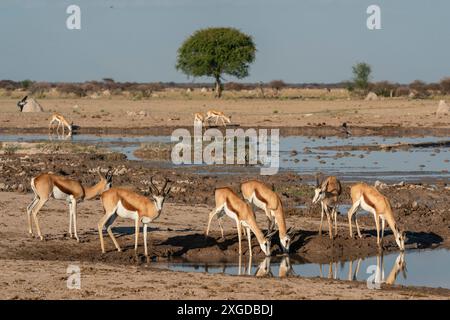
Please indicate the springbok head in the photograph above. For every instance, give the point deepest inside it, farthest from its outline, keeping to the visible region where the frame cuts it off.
(159, 195)
(319, 190)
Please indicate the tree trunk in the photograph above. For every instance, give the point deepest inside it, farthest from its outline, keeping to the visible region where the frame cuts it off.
(218, 89)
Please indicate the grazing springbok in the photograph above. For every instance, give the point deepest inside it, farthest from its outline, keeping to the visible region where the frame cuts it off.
(265, 198)
(48, 185)
(217, 115)
(229, 203)
(371, 200)
(128, 204)
(328, 192)
(61, 121)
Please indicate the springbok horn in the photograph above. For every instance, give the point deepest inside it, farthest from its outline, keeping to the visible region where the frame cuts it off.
(153, 187)
(166, 192)
(164, 186)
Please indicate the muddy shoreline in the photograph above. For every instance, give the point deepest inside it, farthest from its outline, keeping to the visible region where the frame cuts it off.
(312, 130)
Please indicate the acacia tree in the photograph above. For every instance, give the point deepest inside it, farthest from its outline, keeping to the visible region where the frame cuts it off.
(361, 75)
(213, 52)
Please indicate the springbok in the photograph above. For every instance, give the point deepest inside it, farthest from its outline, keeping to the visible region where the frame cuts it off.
(265, 198)
(128, 204)
(47, 185)
(328, 192)
(371, 200)
(229, 203)
(61, 121)
(217, 115)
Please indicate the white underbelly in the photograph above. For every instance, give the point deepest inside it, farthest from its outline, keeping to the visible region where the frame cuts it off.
(230, 212)
(58, 194)
(124, 213)
(366, 207)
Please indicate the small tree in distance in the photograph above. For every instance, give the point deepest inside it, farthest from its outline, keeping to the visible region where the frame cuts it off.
(361, 76)
(277, 85)
(213, 52)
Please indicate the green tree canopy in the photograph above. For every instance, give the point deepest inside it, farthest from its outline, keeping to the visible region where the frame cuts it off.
(361, 75)
(213, 52)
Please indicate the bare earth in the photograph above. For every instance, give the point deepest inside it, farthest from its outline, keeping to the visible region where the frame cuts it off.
(33, 269)
(123, 113)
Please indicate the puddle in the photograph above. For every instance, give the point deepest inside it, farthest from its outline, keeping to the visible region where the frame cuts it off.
(413, 164)
(342, 209)
(427, 268)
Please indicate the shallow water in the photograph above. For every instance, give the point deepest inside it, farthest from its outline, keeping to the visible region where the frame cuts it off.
(429, 268)
(414, 164)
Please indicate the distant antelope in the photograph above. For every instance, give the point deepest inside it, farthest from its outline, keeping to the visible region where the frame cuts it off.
(61, 121)
(229, 203)
(217, 115)
(130, 205)
(371, 200)
(199, 118)
(48, 185)
(328, 192)
(263, 197)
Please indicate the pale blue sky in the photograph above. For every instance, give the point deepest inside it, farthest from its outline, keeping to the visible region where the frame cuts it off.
(297, 40)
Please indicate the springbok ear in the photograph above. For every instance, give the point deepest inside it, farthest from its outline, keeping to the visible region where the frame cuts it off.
(324, 187)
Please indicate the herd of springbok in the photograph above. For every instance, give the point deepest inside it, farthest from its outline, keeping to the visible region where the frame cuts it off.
(143, 210)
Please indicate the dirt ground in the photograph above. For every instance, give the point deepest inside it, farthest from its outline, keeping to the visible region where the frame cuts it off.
(100, 114)
(34, 269)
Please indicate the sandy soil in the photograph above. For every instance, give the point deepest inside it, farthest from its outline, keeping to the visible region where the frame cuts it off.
(33, 269)
(126, 114)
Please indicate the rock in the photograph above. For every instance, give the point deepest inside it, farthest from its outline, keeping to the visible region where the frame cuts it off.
(443, 108)
(371, 96)
(143, 113)
(380, 185)
(32, 106)
(414, 205)
(204, 90)
(122, 171)
(20, 188)
(2, 186)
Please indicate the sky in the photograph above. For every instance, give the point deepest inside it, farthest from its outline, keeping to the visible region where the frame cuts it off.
(297, 40)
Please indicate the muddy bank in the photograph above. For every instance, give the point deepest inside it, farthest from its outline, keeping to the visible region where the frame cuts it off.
(313, 130)
(421, 210)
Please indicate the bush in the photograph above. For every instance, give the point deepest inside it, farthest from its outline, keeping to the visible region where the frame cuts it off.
(72, 88)
(402, 91)
(419, 88)
(234, 86)
(383, 88)
(445, 85)
(39, 89)
(277, 85)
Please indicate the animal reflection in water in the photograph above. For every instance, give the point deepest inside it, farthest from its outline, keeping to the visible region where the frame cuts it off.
(378, 278)
(60, 136)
